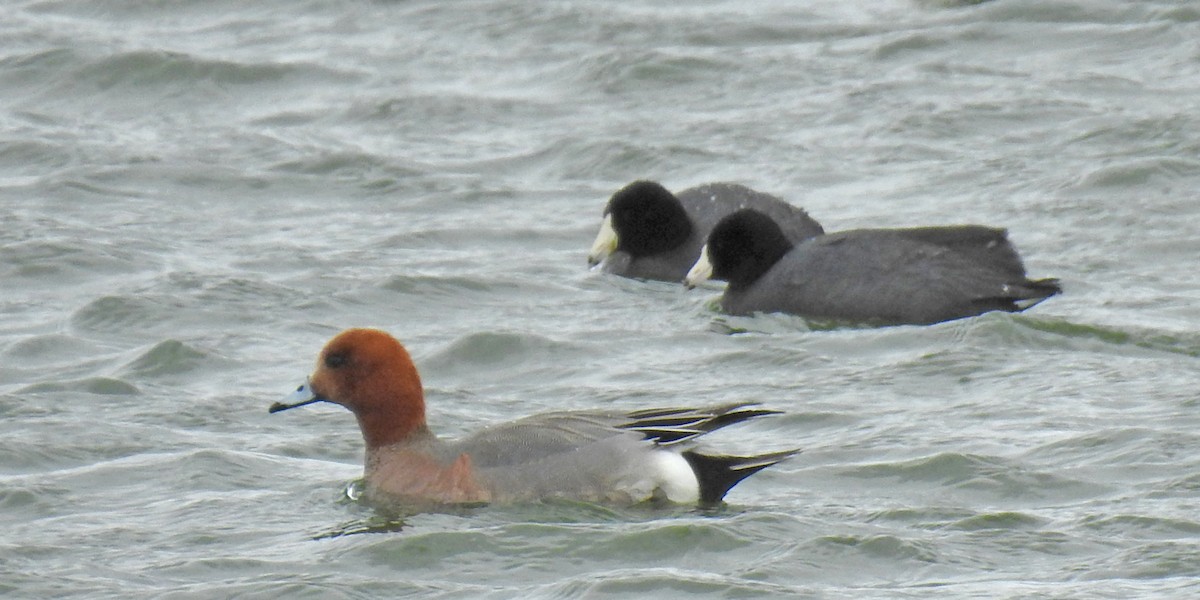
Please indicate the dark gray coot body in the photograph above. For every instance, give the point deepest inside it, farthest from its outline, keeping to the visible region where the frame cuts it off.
(896, 276)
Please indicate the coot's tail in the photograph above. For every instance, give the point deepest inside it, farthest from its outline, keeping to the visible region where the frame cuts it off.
(1033, 292)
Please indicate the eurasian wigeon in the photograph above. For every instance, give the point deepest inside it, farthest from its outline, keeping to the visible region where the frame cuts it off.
(892, 276)
(650, 233)
(597, 456)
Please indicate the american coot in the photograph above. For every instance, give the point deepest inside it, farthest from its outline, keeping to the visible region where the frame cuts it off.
(919, 276)
(649, 233)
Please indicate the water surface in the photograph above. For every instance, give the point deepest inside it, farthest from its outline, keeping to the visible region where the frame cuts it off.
(194, 197)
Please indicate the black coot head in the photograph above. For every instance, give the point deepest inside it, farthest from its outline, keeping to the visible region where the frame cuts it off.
(648, 219)
(744, 245)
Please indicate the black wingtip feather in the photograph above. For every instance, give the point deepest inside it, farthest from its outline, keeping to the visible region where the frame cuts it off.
(674, 425)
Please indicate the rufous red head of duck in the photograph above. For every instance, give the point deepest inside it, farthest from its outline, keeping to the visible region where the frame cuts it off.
(369, 372)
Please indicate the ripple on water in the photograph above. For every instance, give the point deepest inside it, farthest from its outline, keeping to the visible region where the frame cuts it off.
(1180, 487)
(619, 70)
(1042, 12)
(379, 171)
(32, 500)
(117, 314)
(1066, 334)
(1142, 527)
(549, 553)
(883, 547)
(437, 286)
(234, 293)
(112, 472)
(404, 164)
(169, 358)
(104, 386)
(975, 475)
(483, 354)
(1181, 14)
(79, 441)
(1153, 560)
(584, 158)
(999, 520)
(215, 470)
(57, 263)
(417, 551)
(960, 519)
(1140, 172)
(1130, 448)
(144, 71)
(663, 543)
(20, 159)
(1092, 446)
(670, 582)
(176, 304)
(908, 43)
(46, 350)
(864, 559)
(946, 467)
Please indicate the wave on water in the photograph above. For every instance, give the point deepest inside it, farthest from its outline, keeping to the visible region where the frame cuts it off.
(89, 385)
(980, 476)
(53, 262)
(1156, 340)
(490, 351)
(136, 78)
(172, 358)
(147, 69)
(195, 196)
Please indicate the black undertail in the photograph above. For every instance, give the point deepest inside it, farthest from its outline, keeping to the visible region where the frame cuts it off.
(718, 473)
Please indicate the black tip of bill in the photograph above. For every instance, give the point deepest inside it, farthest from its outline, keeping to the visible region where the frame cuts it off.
(303, 395)
(278, 406)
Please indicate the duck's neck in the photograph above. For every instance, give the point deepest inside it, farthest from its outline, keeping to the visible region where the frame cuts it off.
(396, 414)
(381, 430)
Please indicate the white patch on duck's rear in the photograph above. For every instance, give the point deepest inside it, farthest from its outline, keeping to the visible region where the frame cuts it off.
(673, 477)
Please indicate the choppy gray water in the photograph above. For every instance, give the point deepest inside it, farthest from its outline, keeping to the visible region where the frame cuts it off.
(195, 195)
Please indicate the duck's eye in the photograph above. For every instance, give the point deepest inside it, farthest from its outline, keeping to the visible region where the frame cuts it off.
(334, 360)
